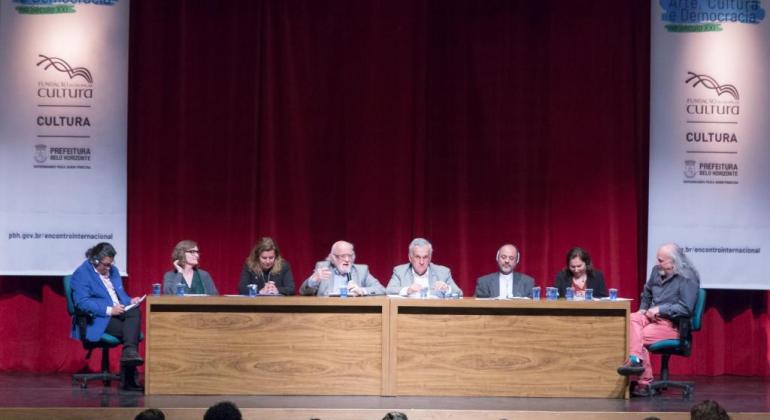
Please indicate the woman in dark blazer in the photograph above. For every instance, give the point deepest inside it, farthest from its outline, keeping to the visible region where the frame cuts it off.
(185, 259)
(267, 270)
(580, 274)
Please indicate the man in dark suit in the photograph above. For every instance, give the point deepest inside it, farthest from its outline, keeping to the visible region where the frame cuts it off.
(97, 289)
(505, 283)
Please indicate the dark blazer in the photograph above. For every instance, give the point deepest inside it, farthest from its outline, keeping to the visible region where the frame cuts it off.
(594, 280)
(283, 280)
(489, 286)
(173, 277)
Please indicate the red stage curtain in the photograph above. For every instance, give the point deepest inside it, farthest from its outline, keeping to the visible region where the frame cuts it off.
(469, 123)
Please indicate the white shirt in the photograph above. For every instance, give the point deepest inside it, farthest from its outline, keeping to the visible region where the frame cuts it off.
(506, 285)
(339, 281)
(110, 289)
(422, 280)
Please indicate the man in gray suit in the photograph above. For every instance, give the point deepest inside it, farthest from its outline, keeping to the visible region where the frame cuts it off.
(505, 283)
(419, 273)
(338, 271)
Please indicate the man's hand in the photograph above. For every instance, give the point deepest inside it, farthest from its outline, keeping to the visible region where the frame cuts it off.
(653, 314)
(440, 286)
(354, 290)
(322, 274)
(117, 310)
(414, 288)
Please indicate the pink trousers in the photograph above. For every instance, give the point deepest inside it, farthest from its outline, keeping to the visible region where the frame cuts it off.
(642, 331)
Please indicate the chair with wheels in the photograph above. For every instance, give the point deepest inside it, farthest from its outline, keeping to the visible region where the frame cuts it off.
(681, 346)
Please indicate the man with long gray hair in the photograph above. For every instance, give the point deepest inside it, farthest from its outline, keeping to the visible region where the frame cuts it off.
(670, 293)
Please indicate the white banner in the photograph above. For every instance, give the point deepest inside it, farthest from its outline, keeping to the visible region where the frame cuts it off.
(63, 111)
(710, 137)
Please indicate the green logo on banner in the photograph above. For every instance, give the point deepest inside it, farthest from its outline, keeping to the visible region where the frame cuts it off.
(53, 7)
(45, 10)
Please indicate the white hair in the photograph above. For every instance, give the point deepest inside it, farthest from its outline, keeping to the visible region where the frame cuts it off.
(682, 263)
(419, 242)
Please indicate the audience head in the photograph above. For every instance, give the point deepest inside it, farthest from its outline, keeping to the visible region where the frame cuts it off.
(395, 415)
(342, 256)
(708, 410)
(578, 262)
(224, 410)
(186, 252)
(101, 256)
(420, 253)
(507, 258)
(265, 256)
(150, 414)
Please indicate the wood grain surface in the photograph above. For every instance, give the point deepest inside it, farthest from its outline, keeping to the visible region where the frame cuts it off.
(489, 348)
(252, 352)
(384, 346)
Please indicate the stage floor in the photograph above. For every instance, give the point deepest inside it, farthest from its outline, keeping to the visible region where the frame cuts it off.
(743, 397)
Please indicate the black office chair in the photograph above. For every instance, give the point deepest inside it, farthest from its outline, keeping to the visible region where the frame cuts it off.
(678, 346)
(105, 343)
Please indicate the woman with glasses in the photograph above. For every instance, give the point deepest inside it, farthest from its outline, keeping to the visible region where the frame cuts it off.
(266, 270)
(581, 275)
(185, 258)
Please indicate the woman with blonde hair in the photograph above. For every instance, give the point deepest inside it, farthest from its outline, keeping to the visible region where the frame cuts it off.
(185, 259)
(266, 269)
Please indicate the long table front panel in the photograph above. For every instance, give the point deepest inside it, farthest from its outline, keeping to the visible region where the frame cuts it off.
(384, 346)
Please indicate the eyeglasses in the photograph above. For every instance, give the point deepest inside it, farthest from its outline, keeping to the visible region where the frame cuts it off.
(344, 256)
(106, 264)
(193, 251)
(507, 258)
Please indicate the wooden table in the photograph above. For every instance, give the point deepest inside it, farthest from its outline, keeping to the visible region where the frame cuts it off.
(384, 346)
(267, 345)
(474, 347)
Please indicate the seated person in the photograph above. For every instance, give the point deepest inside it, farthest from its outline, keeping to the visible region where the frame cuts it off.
(185, 258)
(670, 293)
(338, 271)
(506, 282)
(409, 279)
(266, 269)
(580, 274)
(98, 290)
